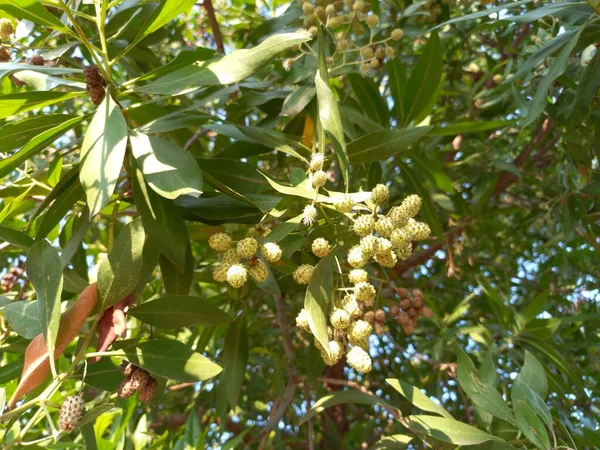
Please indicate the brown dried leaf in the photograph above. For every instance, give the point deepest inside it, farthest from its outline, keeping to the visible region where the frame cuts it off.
(37, 364)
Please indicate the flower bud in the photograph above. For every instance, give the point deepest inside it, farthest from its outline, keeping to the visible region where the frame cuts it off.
(418, 231)
(363, 225)
(351, 306)
(271, 252)
(339, 319)
(397, 34)
(237, 275)
(356, 257)
(247, 248)
(364, 292)
(368, 244)
(319, 178)
(230, 257)
(359, 360)
(380, 194)
(358, 276)
(258, 271)
(316, 161)
(372, 21)
(411, 205)
(336, 352)
(302, 320)
(344, 204)
(220, 272)
(6, 28)
(384, 226)
(367, 53)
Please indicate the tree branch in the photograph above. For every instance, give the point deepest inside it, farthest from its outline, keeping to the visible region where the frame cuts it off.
(210, 11)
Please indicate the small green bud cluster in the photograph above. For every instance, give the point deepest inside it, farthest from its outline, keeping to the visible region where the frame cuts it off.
(342, 16)
(241, 261)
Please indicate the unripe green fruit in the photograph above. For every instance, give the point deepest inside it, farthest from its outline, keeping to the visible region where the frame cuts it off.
(219, 242)
(303, 274)
(220, 272)
(247, 248)
(230, 257)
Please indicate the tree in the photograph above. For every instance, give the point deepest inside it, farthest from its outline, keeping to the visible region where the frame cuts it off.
(330, 224)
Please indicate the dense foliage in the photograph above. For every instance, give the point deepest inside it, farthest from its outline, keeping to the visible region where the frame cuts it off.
(316, 224)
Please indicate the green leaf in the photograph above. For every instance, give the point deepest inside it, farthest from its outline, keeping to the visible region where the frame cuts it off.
(329, 115)
(166, 11)
(102, 154)
(20, 132)
(161, 221)
(483, 394)
(229, 69)
(45, 273)
(422, 87)
(557, 68)
(520, 392)
(486, 12)
(235, 357)
(23, 317)
(89, 437)
(34, 11)
(36, 145)
(21, 102)
(119, 272)
(369, 99)
(179, 311)
(397, 83)
(176, 282)
(9, 372)
(343, 397)
(167, 168)
(448, 430)
(465, 127)
(295, 103)
(383, 144)
(58, 210)
(531, 426)
(319, 296)
(172, 360)
(417, 398)
(44, 82)
(16, 237)
(533, 375)
(394, 442)
(588, 85)
(91, 415)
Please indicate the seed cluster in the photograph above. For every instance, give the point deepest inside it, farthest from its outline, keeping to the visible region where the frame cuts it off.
(136, 380)
(409, 308)
(71, 412)
(236, 264)
(11, 278)
(95, 83)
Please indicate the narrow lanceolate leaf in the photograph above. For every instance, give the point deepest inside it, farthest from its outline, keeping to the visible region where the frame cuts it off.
(172, 360)
(10, 68)
(344, 397)
(448, 430)
(18, 133)
(102, 154)
(422, 87)
(318, 298)
(557, 68)
(166, 11)
(34, 11)
(329, 115)
(483, 394)
(161, 220)
(15, 237)
(235, 355)
(533, 375)
(45, 273)
(232, 68)
(531, 426)
(179, 311)
(168, 169)
(382, 144)
(119, 272)
(417, 398)
(21, 102)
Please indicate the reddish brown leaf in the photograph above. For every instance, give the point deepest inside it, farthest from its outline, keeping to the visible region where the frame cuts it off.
(37, 364)
(112, 324)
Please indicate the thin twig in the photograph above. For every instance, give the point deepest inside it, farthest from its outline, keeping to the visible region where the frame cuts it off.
(210, 11)
(201, 132)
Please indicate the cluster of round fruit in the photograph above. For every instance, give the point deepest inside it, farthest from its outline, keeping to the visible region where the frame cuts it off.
(409, 308)
(387, 238)
(136, 380)
(239, 262)
(11, 278)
